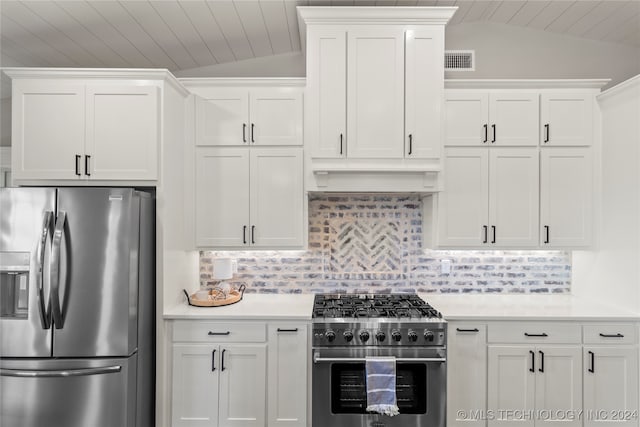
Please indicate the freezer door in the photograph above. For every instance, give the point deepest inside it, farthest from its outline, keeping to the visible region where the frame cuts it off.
(94, 269)
(25, 240)
(68, 393)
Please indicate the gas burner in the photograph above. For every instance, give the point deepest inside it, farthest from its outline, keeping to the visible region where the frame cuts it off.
(365, 306)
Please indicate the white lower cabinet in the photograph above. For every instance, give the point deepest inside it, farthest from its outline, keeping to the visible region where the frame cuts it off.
(466, 374)
(235, 374)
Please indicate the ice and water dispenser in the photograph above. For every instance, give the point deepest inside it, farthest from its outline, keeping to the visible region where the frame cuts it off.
(14, 284)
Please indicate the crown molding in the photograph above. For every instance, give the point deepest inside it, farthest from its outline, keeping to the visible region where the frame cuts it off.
(525, 83)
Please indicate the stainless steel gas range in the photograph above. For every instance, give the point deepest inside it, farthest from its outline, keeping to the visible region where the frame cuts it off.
(347, 329)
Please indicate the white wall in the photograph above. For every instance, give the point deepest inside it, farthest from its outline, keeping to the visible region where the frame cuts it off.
(510, 52)
(283, 65)
(612, 272)
(5, 122)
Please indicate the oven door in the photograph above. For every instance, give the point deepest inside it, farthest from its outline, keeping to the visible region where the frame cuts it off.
(340, 393)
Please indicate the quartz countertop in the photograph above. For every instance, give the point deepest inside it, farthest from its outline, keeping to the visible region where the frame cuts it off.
(452, 307)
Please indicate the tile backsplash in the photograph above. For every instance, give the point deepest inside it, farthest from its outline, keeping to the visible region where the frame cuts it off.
(364, 243)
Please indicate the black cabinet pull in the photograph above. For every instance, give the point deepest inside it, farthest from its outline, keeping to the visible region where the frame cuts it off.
(86, 165)
(467, 330)
(592, 361)
(486, 233)
(533, 361)
(486, 133)
(410, 144)
(546, 129)
(244, 234)
(213, 361)
(612, 335)
(546, 233)
(493, 229)
(541, 361)
(544, 334)
(253, 234)
(252, 132)
(222, 360)
(78, 164)
(287, 330)
(493, 127)
(341, 144)
(219, 333)
(244, 132)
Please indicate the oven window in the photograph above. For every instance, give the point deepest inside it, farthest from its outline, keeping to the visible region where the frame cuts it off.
(349, 390)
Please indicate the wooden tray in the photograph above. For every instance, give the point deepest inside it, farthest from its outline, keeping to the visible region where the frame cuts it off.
(234, 296)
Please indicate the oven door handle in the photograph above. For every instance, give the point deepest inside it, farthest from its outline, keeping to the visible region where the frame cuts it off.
(318, 359)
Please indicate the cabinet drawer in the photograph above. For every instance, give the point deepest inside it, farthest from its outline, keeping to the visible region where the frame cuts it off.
(535, 332)
(610, 333)
(203, 331)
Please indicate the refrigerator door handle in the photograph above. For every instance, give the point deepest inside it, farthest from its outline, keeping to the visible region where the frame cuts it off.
(62, 373)
(58, 234)
(45, 314)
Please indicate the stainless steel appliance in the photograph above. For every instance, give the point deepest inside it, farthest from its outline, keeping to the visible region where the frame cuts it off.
(76, 307)
(349, 328)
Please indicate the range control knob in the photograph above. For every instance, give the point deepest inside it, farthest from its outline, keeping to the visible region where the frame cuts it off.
(413, 337)
(330, 335)
(428, 335)
(364, 336)
(396, 336)
(380, 336)
(348, 336)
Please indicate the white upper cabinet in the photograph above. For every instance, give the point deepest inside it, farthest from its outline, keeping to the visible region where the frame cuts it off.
(254, 116)
(76, 129)
(566, 205)
(375, 93)
(424, 69)
(566, 119)
(502, 118)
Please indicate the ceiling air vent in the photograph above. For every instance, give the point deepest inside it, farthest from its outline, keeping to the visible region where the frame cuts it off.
(459, 60)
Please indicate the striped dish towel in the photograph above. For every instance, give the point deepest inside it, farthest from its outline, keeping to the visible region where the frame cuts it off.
(381, 385)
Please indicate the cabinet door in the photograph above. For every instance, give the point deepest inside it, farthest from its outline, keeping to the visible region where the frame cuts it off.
(326, 103)
(194, 401)
(464, 203)
(513, 197)
(559, 385)
(276, 116)
(610, 386)
(276, 197)
(222, 197)
(466, 374)
(375, 93)
(511, 385)
(222, 118)
(287, 397)
(566, 119)
(565, 197)
(513, 119)
(123, 128)
(423, 92)
(47, 129)
(242, 395)
(466, 118)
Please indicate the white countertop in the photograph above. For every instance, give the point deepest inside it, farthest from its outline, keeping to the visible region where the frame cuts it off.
(452, 307)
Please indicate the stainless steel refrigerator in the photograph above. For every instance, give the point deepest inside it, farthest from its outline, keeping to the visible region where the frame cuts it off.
(76, 307)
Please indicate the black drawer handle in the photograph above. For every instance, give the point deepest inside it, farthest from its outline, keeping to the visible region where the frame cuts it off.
(493, 127)
(468, 330)
(486, 135)
(546, 128)
(86, 165)
(341, 144)
(244, 132)
(78, 164)
(546, 230)
(287, 330)
(213, 361)
(592, 361)
(527, 334)
(222, 368)
(541, 369)
(533, 361)
(244, 234)
(612, 335)
(219, 333)
(486, 233)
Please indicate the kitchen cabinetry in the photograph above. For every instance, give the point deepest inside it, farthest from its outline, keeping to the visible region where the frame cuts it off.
(255, 116)
(220, 374)
(287, 396)
(500, 118)
(467, 380)
(490, 198)
(79, 130)
(566, 119)
(249, 197)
